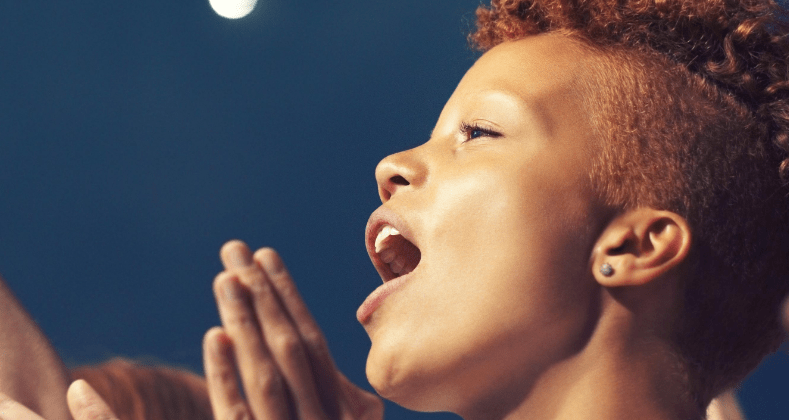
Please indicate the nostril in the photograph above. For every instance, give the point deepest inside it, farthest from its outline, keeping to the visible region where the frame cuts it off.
(398, 180)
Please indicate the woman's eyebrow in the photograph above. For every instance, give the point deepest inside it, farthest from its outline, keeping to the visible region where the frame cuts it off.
(531, 109)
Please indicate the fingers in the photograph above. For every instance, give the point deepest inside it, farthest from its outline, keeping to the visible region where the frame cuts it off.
(317, 350)
(86, 404)
(283, 283)
(12, 410)
(279, 333)
(220, 372)
(262, 382)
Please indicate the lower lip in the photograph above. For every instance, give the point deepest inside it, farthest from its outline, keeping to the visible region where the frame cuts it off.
(377, 297)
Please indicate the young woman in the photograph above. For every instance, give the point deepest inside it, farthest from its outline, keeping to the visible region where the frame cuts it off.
(598, 227)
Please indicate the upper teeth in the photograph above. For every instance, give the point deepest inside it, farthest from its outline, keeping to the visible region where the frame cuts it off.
(386, 232)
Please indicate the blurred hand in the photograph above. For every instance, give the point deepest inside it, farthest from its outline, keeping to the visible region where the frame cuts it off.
(83, 402)
(271, 341)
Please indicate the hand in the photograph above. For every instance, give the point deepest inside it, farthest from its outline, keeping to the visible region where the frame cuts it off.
(269, 337)
(83, 402)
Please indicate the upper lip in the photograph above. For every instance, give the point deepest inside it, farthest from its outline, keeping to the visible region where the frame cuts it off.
(381, 217)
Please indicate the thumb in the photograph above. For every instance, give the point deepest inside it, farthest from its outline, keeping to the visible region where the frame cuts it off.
(86, 404)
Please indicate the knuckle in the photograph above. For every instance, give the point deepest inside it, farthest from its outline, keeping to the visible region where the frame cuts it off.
(259, 287)
(221, 376)
(287, 344)
(268, 384)
(242, 320)
(314, 340)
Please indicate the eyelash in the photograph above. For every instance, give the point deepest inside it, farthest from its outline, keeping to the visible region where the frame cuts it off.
(468, 130)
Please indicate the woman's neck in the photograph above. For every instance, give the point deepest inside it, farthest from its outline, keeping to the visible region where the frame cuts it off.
(623, 372)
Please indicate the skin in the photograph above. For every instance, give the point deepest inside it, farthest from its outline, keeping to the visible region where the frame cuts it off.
(507, 227)
(510, 232)
(507, 315)
(504, 229)
(31, 373)
(270, 338)
(725, 407)
(83, 403)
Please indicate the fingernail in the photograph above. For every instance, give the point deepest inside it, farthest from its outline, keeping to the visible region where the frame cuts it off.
(271, 263)
(78, 396)
(238, 258)
(81, 391)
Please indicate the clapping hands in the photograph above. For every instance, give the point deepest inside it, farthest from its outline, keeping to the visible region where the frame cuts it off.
(269, 339)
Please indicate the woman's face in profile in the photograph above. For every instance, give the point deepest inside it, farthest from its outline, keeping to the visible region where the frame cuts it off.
(499, 205)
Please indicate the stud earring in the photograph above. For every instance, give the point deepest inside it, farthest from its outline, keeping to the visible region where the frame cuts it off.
(606, 269)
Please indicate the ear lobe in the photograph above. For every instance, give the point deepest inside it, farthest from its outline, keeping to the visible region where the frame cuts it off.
(640, 245)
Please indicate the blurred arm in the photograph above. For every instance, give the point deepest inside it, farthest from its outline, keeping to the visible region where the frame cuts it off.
(30, 370)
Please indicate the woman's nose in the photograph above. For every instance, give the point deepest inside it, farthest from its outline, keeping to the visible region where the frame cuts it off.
(400, 171)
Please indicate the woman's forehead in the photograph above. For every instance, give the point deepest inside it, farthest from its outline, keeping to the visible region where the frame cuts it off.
(540, 62)
(533, 77)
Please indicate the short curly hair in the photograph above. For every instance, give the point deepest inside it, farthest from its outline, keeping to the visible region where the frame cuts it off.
(690, 99)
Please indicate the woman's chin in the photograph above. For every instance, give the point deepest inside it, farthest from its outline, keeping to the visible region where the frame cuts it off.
(401, 381)
(385, 376)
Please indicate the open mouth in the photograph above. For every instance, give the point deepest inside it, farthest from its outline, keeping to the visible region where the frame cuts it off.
(397, 255)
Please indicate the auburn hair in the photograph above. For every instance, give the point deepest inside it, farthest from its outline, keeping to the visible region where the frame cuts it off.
(690, 101)
(138, 392)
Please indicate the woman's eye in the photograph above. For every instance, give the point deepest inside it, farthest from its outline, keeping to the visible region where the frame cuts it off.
(471, 132)
(476, 133)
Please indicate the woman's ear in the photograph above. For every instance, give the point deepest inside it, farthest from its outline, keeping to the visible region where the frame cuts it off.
(639, 246)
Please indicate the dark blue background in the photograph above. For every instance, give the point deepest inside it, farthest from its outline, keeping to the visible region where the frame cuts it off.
(137, 137)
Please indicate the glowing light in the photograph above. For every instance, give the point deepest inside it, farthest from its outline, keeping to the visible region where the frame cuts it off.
(233, 9)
